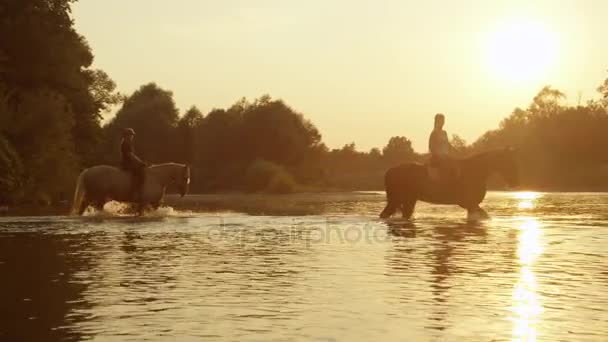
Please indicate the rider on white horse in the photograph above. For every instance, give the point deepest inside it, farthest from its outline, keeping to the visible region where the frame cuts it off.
(133, 164)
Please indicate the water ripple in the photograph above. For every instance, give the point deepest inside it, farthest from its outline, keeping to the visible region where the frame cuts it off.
(319, 267)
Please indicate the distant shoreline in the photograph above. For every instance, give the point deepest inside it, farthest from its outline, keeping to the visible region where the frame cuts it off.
(240, 201)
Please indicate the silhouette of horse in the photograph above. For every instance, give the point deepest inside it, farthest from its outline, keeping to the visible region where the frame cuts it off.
(408, 183)
(100, 184)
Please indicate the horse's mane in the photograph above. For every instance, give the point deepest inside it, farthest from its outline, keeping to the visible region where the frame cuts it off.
(487, 153)
(485, 157)
(165, 165)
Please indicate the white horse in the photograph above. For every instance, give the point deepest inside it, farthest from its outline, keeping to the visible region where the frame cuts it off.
(103, 183)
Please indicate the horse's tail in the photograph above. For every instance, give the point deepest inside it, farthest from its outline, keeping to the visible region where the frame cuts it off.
(392, 202)
(78, 195)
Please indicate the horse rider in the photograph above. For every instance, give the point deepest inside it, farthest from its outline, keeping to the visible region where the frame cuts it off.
(134, 165)
(440, 148)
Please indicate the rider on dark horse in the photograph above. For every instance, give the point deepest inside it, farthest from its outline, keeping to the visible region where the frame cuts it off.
(134, 165)
(440, 148)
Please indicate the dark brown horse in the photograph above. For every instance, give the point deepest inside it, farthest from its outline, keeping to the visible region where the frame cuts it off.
(408, 183)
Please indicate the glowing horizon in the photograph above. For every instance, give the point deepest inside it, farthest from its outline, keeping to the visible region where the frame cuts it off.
(360, 71)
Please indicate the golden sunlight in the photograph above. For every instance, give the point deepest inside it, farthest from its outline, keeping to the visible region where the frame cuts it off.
(521, 51)
(527, 307)
(527, 195)
(526, 199)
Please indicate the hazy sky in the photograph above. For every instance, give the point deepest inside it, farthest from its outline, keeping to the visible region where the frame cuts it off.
(361, 71)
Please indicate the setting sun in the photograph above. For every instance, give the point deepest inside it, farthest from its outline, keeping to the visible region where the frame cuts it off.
(522, 50)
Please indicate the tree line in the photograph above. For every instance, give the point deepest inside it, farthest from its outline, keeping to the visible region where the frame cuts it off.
(52, 101)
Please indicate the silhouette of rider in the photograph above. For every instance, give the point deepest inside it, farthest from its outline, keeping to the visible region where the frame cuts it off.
(134, 165)
(440, 148)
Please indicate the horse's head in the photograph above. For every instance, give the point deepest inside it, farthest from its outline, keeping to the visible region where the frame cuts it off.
(506, 163)
(183, 181)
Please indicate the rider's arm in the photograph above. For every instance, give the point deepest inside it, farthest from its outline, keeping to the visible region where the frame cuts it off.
(127, 150)
(433, 143)
(136, 159)
(447, 142)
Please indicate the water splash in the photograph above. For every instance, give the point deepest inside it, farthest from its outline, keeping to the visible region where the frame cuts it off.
(118, 209)
(167, 211)
(110, 209)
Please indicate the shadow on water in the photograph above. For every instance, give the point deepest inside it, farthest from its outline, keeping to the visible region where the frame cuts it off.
(40, 291)
(445, 244)
(444, 265)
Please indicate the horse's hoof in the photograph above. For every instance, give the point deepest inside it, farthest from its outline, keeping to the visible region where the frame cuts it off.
(478, 215)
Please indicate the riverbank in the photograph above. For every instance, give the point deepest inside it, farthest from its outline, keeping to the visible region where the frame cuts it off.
(299, 203)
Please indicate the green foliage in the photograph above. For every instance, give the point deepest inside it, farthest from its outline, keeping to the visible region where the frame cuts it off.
(557, 143)
(348, 169)
(50, 102)
(459, 145)
(398, 150)
(273, 131)
(282, 183)
(102, 90)
(41, 46)
(603, 90)
(266, 176)
(152, 113)
(39, 129)
(229, 140)
(186, 132)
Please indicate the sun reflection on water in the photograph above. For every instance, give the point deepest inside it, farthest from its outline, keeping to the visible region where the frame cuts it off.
(527, 307)
(526, 199)
(527, 195)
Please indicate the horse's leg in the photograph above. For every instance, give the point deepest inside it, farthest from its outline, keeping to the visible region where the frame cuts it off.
(392, 203)
(83, 206)
(388, 210)
(140, 209)
(407, 208)
(482, 213)
(476, 213)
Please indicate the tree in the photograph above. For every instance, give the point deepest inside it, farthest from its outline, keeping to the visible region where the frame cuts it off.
(50, 118)
(186, 130)
(219, 158)
(398, 150)
(273, 131)
(375, 153)
(152, 113)
(38, 128)
(458, 144)
(603, 90)
(546, 102)
(560, 146)
(103, 90)
(229, 141)
(41, 47)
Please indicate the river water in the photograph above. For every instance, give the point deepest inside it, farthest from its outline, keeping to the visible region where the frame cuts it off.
(311, 267)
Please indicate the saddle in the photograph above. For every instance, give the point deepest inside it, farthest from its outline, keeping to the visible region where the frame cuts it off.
(444, 174)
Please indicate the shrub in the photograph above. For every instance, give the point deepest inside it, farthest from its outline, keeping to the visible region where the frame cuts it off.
(266, 176)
